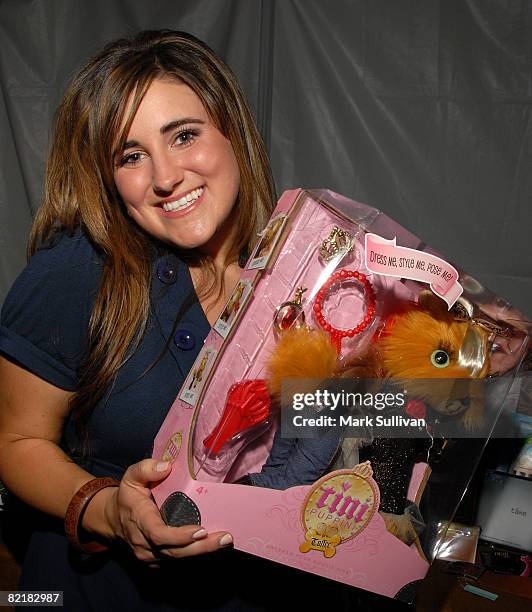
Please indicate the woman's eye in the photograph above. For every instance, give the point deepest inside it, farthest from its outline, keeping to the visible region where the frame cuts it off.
(131, 160)
(440, 359)
(186, 137)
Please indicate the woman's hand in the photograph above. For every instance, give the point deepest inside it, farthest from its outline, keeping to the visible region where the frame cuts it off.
(134, 517)
(33, 467)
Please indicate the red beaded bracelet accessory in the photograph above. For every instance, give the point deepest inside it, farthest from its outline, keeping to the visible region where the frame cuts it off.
(338, 277)
(77, 507)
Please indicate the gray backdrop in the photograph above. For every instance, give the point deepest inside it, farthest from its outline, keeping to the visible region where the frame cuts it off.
(418, 107)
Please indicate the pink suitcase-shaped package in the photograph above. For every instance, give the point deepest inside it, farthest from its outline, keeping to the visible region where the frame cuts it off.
(311, 238)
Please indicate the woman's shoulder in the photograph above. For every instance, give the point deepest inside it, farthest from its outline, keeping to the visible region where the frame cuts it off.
(65, 250)
(65, 267)
(45, 316)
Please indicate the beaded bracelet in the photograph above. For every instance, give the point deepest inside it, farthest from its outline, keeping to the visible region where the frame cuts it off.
(76, 509)
(337, 335)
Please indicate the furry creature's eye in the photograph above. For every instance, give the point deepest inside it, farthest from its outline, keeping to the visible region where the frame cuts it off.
(440, 359)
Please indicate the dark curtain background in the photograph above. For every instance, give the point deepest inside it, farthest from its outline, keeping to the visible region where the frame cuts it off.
(420, 108)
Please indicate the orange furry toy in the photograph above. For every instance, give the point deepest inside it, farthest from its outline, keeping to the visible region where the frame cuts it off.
(425, 342)
(301, 353)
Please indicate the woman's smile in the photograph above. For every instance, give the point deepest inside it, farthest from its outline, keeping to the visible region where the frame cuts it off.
(185, 203)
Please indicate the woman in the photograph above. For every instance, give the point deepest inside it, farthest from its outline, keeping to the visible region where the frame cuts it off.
(157, 182)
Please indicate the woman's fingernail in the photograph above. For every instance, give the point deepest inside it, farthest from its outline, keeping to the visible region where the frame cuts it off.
(201, 533)
(226, 540)
(162, 466)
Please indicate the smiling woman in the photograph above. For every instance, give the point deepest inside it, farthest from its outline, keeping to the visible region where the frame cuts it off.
(157, 182)
(178, 175)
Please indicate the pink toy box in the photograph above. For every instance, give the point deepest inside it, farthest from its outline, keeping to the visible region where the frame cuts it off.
(323, 262)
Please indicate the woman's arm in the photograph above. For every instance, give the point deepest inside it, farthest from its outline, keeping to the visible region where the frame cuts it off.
(33, 467)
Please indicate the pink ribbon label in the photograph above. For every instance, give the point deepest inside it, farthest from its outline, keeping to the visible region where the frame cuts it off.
(386, 258)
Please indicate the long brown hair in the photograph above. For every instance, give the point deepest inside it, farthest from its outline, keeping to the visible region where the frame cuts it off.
(90, 127)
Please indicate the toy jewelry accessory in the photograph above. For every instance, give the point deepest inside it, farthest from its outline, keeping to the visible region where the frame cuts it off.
(339, 242)
(290, 314)
(337, 335)
(465, 311)
(248, 405)
(76, 509)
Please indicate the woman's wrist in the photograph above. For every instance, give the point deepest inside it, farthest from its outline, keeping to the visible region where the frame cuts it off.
(97, 518)
(94, 517)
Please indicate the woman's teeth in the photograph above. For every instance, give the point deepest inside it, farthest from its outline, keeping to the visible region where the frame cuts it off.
(182, 202)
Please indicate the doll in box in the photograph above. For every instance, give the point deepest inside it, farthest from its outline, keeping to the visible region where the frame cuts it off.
(417, 345)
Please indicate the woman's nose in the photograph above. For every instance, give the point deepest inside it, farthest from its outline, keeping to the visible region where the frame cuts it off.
(167, 174)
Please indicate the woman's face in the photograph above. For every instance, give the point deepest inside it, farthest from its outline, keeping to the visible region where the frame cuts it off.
(178, 175)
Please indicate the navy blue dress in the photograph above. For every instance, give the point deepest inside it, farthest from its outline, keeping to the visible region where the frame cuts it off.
(44, 324)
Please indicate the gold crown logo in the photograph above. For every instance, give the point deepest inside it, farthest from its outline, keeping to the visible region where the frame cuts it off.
(363, 470)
